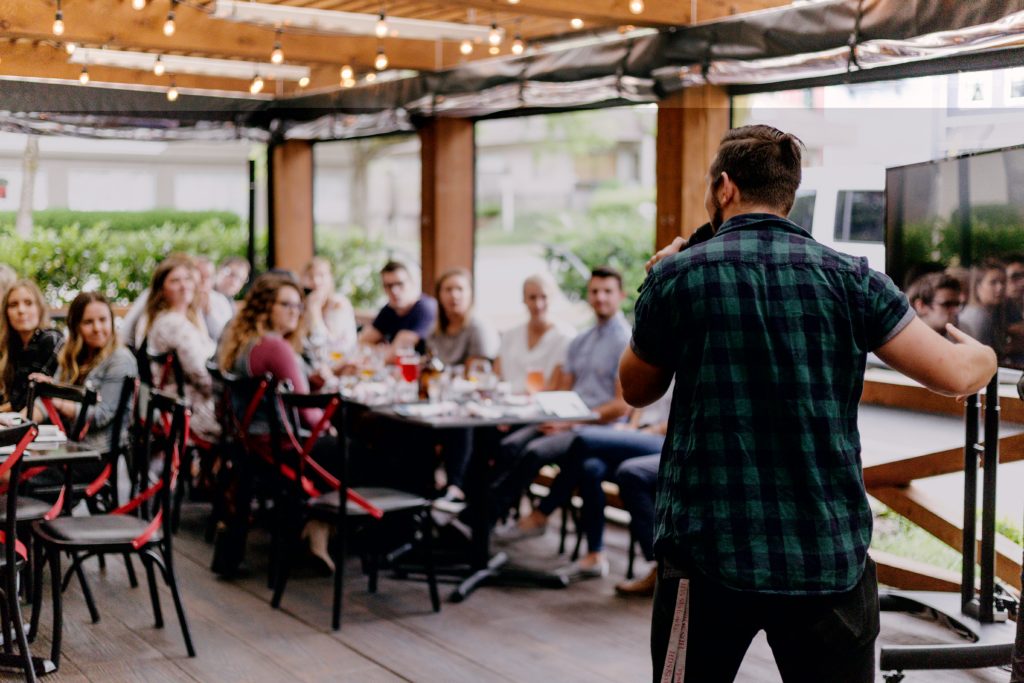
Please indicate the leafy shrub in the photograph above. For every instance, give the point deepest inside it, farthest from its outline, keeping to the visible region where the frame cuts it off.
(356, 260)
(57, 219)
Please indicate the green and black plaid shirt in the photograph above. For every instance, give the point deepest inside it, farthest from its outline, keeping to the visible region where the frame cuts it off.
(767, 332)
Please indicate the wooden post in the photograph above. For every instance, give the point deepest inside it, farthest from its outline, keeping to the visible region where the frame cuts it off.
(291, 204)
(690, 125)
(448, 218)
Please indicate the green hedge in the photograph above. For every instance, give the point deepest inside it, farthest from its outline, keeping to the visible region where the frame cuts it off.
(57, 219)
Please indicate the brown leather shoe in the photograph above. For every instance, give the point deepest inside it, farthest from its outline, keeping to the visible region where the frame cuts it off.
(640, 587)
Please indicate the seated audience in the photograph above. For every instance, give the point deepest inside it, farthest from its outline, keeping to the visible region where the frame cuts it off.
(27, 343)
(936, 300)
(266, 336)
(595, 454)
(537, 346)
(92, 357)
(330, 318)
(459, 338)
(983, 317)
(172, 323)
(215, 307)
(408, 316)
(231, 276)
(591, 370)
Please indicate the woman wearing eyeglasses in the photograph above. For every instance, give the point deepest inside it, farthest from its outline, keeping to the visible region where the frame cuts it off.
(266, 337)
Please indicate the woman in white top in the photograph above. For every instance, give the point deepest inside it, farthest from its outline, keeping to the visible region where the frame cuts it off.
(536, 346)
(330, 318)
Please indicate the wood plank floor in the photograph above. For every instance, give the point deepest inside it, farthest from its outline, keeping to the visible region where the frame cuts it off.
(584, 633)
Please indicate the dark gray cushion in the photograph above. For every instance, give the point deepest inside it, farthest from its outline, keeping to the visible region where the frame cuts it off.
(100, 529)
(388, 500)
(29, 509)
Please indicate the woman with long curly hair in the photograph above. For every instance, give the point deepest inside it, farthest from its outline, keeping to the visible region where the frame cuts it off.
(172, 323)
(27, 343)
(266, 336)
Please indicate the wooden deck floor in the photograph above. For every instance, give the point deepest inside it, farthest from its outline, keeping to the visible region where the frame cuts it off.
(584, 633)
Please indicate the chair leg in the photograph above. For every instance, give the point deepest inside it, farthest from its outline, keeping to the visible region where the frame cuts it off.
(58, 607)
(372, 564)
(339, 576)
(86, 591)
(154, 595)
(632, 555)
(427, 528)
(563, 531)
(11, 576)
(5, 620)
(172, 583)
(26, 580)
(38, 557)
(102, 559)
(129, 568)
(284, 564)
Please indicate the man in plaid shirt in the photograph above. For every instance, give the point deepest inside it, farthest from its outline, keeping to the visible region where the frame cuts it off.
(762, 517)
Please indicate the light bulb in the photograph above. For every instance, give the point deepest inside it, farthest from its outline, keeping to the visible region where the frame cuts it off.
(370, 77)
(513, 2)
(494, 35)
(58, 24)
(277, 56)
(304, 81)
(257, 85)
(576, 23)
(518, 46)
(138, 4)
(83, 77)
(70, 48)
(381, 29)
(636, 6)
(169, 24)
(348, 82)
(172, 93)
(381, 62)
(346, 73)
(493, 49)
(158, 66)
(466, 47)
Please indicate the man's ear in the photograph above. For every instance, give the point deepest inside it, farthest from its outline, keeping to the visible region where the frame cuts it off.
(727, 189)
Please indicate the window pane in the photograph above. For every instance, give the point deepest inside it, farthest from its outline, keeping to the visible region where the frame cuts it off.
(860, 216)
(802, 212)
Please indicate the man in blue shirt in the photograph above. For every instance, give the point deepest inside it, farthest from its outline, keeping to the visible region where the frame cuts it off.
(408, 316)
(591, 370)
(762, 518)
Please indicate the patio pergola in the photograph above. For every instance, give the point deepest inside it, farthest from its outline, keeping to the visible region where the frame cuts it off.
(686, 57)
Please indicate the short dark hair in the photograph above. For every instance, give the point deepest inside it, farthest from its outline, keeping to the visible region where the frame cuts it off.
(393, 266)
(1016, 257)
(606, 271)
(924, 288)
(763, 162)
(234, 260)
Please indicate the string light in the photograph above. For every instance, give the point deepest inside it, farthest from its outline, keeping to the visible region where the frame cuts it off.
(518, 46)
(158, 66)
(576, 23)
(346, 73)
(172, 92)
(381, 61)
(58, 21)
(70, 48)
(83, 77)
(513, 2)
(466, 47)
(636, 6)
(138, 4)
(348, 82)
(257, 85)
(381, 29)
(277, 56)
(169, 24)
(304, 81)
(494, 35)
(493, 49)
(370, 77)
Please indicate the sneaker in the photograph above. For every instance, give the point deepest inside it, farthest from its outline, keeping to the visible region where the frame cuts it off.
(640, 588)
(580, 571)
(513, 533)
(451, 502)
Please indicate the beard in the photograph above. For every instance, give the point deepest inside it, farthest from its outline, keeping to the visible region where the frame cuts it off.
(716, 215)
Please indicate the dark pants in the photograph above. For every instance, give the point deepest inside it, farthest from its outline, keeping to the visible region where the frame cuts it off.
(520, 457)
(595, 454)
(638, 482)
(814, 638)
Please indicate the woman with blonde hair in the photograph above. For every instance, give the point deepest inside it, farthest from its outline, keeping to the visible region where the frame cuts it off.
(330, 318)
(27, 343)
(531, 354)
(172, 323)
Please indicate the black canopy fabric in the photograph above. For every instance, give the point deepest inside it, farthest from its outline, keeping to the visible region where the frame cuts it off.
(834, 39)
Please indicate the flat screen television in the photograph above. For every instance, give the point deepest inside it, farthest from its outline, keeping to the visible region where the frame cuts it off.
(964, 215)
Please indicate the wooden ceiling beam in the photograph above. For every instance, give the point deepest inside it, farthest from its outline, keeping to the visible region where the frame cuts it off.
(114, 23)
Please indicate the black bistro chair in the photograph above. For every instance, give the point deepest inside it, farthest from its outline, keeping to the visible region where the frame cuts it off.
(14, 441)
(129, 528)
(309, 492)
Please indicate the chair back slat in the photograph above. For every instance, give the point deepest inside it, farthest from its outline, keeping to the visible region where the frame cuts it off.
(84, 396)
